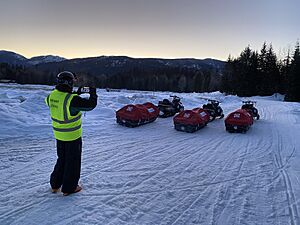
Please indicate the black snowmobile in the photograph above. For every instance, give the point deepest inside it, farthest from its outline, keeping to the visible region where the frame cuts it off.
(169, 108)
(249, 106)
(214, 110)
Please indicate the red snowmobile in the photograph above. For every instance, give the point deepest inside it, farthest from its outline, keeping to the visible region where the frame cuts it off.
(136, 115)
(238, 121)
(249, 106)
(191, 120)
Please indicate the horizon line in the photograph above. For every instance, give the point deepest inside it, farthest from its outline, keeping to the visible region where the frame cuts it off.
(95, 56)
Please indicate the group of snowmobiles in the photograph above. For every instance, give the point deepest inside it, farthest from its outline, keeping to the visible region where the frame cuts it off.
(134, 115)
(169, 108)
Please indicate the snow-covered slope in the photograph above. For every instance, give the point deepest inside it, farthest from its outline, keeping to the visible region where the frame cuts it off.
(12, 58)
(152, 174)
(17, 59)
(45, 59)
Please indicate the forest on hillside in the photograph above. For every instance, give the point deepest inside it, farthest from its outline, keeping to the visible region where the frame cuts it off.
(251, 73)
(261, 73)
(158, 78)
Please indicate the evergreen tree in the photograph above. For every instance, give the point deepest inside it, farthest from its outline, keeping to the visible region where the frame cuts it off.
(227, 78)
(246, 73)
(284, 67)
(262, 70)
(240, 75)
(263, 58)
(272, 81)
(293, 85)
(269, 78)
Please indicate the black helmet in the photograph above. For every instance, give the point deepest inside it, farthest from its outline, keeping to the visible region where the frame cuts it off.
(66, 78)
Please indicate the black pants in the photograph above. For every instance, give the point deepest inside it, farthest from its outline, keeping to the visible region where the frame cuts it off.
(66, 172)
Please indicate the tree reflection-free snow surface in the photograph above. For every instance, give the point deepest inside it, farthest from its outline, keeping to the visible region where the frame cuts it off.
(151, 174)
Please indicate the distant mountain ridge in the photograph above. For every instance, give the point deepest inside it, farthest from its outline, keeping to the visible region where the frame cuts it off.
(12, 58)
(45, 59)
(182, 75)
(112, 65)
(17, 59)
(103, 64)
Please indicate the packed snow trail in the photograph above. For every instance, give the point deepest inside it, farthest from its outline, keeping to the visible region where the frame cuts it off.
(151, 174)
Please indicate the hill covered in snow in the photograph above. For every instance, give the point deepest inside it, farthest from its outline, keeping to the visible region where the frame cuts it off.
(17, 59)
(152, 174)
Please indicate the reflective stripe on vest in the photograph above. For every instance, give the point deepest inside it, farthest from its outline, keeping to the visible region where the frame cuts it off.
(65, 126)
(68, 121)
(66, 129)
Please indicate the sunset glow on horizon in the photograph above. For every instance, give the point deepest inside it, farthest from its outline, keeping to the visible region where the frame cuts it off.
(140, 28)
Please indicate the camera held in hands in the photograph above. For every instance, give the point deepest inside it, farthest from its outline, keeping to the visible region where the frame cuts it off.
(85, 90)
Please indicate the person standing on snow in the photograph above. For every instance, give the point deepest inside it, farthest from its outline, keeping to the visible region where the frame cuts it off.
(65, 109)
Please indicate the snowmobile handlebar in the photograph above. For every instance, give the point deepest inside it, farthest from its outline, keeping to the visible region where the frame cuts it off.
(213, 101)
(210, 100)
(174, 96)
(249, 102)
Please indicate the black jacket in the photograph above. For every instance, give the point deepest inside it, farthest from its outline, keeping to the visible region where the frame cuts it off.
(79, 104)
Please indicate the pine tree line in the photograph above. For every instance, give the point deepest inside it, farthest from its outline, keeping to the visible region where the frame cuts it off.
(261, 73)
(177, 79)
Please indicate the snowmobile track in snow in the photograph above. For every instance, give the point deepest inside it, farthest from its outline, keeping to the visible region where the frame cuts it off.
(152, 174)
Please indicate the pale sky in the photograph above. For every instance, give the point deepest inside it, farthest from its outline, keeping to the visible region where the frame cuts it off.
(147, 28)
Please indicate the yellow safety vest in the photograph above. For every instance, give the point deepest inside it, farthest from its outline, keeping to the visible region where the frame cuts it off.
(65, 126)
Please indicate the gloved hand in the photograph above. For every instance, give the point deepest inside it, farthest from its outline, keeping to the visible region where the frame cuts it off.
(79, 92)
(92, 91)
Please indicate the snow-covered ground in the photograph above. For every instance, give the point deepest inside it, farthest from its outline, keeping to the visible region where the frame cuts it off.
(152, 174)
